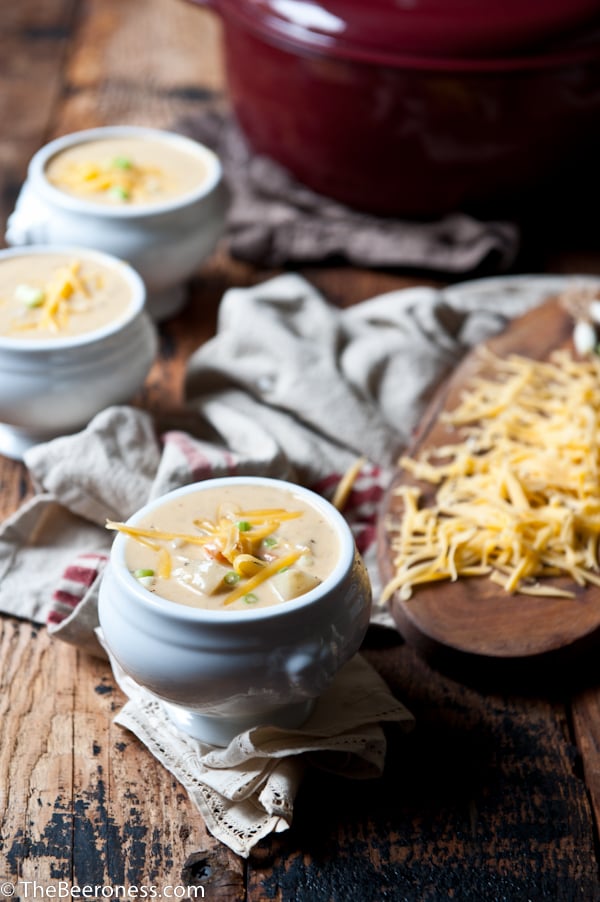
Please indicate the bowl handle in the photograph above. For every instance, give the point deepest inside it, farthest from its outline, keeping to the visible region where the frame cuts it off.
(30, 220)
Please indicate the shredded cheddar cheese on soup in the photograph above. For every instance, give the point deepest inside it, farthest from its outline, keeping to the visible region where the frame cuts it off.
(50, 306)
(120, 179)
(518, 497)
(234, 538)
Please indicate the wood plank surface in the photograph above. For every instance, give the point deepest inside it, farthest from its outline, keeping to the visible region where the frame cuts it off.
(494, 794)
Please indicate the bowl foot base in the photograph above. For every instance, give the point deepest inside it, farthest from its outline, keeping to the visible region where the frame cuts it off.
(221, 730)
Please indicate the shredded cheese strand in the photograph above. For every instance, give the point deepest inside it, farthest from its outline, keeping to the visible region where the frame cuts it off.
(165, 563)
(247, 564)
(137, 533)
(268, 570)
(346, 484)
(268, 513)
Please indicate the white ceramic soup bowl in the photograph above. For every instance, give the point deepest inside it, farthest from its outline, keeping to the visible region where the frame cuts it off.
(54, 386)
(165, 241)
(220, 672)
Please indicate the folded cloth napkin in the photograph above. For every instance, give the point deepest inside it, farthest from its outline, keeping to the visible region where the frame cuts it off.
(290, 387)
(274, 220)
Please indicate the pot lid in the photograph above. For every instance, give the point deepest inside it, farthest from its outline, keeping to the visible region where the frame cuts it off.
(389, 31)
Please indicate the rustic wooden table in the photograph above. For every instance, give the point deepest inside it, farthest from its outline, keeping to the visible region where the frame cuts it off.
(494, 797)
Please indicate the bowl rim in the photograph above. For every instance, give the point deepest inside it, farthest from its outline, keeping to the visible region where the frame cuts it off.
(36, 173)
(136, 306)
(197, 615)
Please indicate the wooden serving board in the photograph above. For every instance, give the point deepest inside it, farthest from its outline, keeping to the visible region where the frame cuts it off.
(473, 615)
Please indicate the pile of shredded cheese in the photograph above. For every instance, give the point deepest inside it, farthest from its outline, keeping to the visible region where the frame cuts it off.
(518, 498)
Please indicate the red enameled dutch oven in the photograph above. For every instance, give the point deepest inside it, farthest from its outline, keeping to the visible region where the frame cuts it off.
(416, 107)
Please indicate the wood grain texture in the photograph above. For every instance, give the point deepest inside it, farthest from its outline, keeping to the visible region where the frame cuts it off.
(34, 38)
(483, 801)
(586, 723)
(149, 63)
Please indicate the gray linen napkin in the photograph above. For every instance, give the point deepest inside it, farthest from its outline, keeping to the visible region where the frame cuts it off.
(274, 220)
(289, 387)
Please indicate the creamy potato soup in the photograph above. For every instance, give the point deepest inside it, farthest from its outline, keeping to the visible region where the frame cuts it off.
(232, 548)
(58, 296)
(126, 171)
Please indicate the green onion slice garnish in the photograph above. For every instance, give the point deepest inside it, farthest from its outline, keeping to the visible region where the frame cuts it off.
(29, 295)
(119, 193)
(121, 163)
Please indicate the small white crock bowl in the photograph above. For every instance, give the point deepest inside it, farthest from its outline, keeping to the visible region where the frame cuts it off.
(222, 672)
(51, 387)
(165, 242)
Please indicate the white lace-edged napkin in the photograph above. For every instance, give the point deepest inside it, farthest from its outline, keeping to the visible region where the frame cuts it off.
(247, 790)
